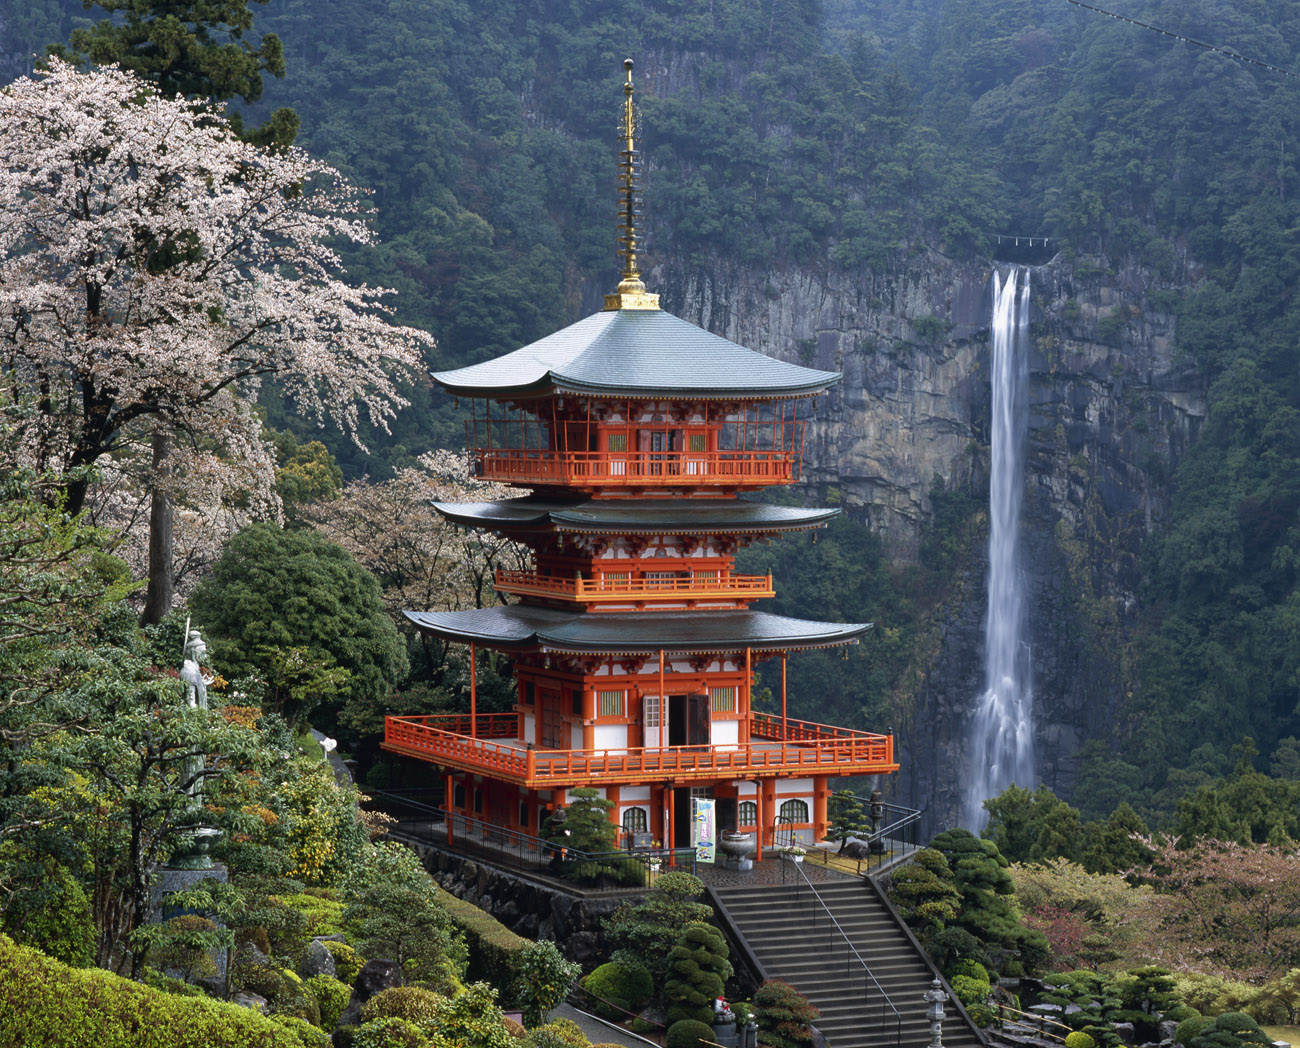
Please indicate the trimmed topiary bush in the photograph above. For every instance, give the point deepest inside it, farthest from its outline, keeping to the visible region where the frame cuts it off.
(1189, 1028)
(688, 1033)
(971, 969)
(1079, 1039)
(698, 970)
(299, 1004)
(46, 1004)
(389, 1032)
(309, 1035)
(558, 1033)
(1230, 1030)
(620, 981)
(332, 996)
(403, 1002)
(347, 962)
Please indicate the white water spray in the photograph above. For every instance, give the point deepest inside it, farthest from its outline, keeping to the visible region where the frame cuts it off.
(1002, 740)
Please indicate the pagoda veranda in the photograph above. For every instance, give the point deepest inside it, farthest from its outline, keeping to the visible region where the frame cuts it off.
(633, 639)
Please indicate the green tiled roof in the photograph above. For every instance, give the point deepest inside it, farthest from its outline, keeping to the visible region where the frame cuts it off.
(523, 626)
(640, 353)
(634, 516)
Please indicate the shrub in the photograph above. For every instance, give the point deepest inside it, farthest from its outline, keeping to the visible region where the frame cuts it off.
(971, 969)
(620, 981)
(257, 976)
(332, 996)
(184, 945)
(1079, 1039)
(299, 1004)
(558, 1033)
(347, 962)
(698, 970)
(493, 948)
(542, 981)
(308, 1034)
(403, 1002)
(688, 1033)
(322, 916)
(389, 1032)
(1189, 1028)
(784, 1015)
(970, 991)
(45, 907)
(46, 1004)
(1230, 1030)
(645, 1026)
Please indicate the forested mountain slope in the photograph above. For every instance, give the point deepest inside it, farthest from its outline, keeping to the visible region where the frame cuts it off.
(826, 182)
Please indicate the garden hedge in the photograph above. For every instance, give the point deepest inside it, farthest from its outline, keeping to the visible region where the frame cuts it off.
(493, 948)
(46, 1004)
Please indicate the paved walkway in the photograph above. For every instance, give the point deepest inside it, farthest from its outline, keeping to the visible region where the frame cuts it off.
(600, 1032)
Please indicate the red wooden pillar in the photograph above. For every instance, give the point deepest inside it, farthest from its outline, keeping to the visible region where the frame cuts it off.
(820, 820)
(588, 719)
(448, 795)
(669, 840)
(473, 693)
(768, 807)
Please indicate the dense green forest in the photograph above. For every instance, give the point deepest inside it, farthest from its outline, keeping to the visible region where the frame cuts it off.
(849, 136)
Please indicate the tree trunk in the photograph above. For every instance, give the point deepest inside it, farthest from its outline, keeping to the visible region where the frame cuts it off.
(158, 598)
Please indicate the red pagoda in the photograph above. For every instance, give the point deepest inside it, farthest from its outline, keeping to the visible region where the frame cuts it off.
(633, 640)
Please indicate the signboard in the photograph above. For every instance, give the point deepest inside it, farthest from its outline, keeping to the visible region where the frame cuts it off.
(704, 828)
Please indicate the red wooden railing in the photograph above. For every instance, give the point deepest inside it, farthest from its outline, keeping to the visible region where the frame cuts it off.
(635, 468)
(808, 747)
(748, 587)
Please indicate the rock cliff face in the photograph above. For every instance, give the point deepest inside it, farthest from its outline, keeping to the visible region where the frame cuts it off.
(1111, 412)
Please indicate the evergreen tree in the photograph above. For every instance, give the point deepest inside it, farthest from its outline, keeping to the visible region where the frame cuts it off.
(697, 973)
(848, 817)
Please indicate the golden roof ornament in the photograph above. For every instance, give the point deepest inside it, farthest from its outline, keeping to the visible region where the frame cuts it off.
(631, 292)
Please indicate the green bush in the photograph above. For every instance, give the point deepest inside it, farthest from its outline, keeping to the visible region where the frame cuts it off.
(322, 916)
(688, 1033)
(645, 1026)
(1079, 1039)
(493, 948)
(1189, 1028)
(971, 969)
(299, 1004)
(1230, 1030)
(403, 1002)
(784, 1015)
(308, 1034)
(46, 1004)
(45, 907)
(542, 981)
(332, 996)
(970, 991)
(558, 1033)
(620, 981)
(389, 1032)
(347, 962)
(698, 970)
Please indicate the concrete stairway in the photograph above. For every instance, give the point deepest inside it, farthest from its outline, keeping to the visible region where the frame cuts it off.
(792, 938)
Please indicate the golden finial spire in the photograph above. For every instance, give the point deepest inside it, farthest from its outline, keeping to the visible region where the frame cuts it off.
(631, 293)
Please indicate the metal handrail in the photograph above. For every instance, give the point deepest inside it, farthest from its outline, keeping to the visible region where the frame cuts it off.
(1035, 1021)
(885, 998)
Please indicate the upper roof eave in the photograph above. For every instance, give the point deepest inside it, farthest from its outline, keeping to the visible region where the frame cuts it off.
(641, 354)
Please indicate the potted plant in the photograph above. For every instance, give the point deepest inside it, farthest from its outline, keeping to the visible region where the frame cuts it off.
(652, 859)
(794, 852)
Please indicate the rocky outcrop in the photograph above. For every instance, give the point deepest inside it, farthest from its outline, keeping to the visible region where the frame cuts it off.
(1111, 413)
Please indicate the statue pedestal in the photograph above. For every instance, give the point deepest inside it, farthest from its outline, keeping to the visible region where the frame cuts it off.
(167, 881)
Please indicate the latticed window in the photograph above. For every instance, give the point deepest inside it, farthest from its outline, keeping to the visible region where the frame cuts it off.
(724, 699)
(696, 442)
(609, 703)
(794, 811)
(651, 711)
(634, 820)
(748, 813)
(617, 442)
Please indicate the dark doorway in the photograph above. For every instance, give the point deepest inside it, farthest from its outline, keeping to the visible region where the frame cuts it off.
(725, 811)
(688, 720)
(682, 816)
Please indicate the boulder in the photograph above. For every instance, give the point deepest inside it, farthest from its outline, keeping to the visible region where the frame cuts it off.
(248, 999)
(376, 975)
(317, 961)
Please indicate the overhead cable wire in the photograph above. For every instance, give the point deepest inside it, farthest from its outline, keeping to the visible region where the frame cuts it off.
(1227, 52)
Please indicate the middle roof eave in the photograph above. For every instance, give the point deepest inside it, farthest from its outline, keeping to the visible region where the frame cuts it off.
(696, 516)
(523, 626)
(640, 353)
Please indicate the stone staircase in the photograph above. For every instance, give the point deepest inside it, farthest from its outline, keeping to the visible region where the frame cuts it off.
(793, 939)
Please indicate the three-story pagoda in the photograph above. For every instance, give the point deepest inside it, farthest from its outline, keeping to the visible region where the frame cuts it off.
(633, 639)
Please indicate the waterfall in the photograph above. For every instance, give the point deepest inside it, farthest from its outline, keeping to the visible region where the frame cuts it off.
(1002, 740)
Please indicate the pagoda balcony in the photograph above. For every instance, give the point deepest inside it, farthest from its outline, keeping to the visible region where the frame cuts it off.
(633, 469)
(776, 748)
(623, 591)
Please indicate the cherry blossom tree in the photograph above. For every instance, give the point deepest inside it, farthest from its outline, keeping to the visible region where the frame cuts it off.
(155, 270)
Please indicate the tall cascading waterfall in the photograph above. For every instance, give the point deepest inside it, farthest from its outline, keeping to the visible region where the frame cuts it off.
(1002, 741)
